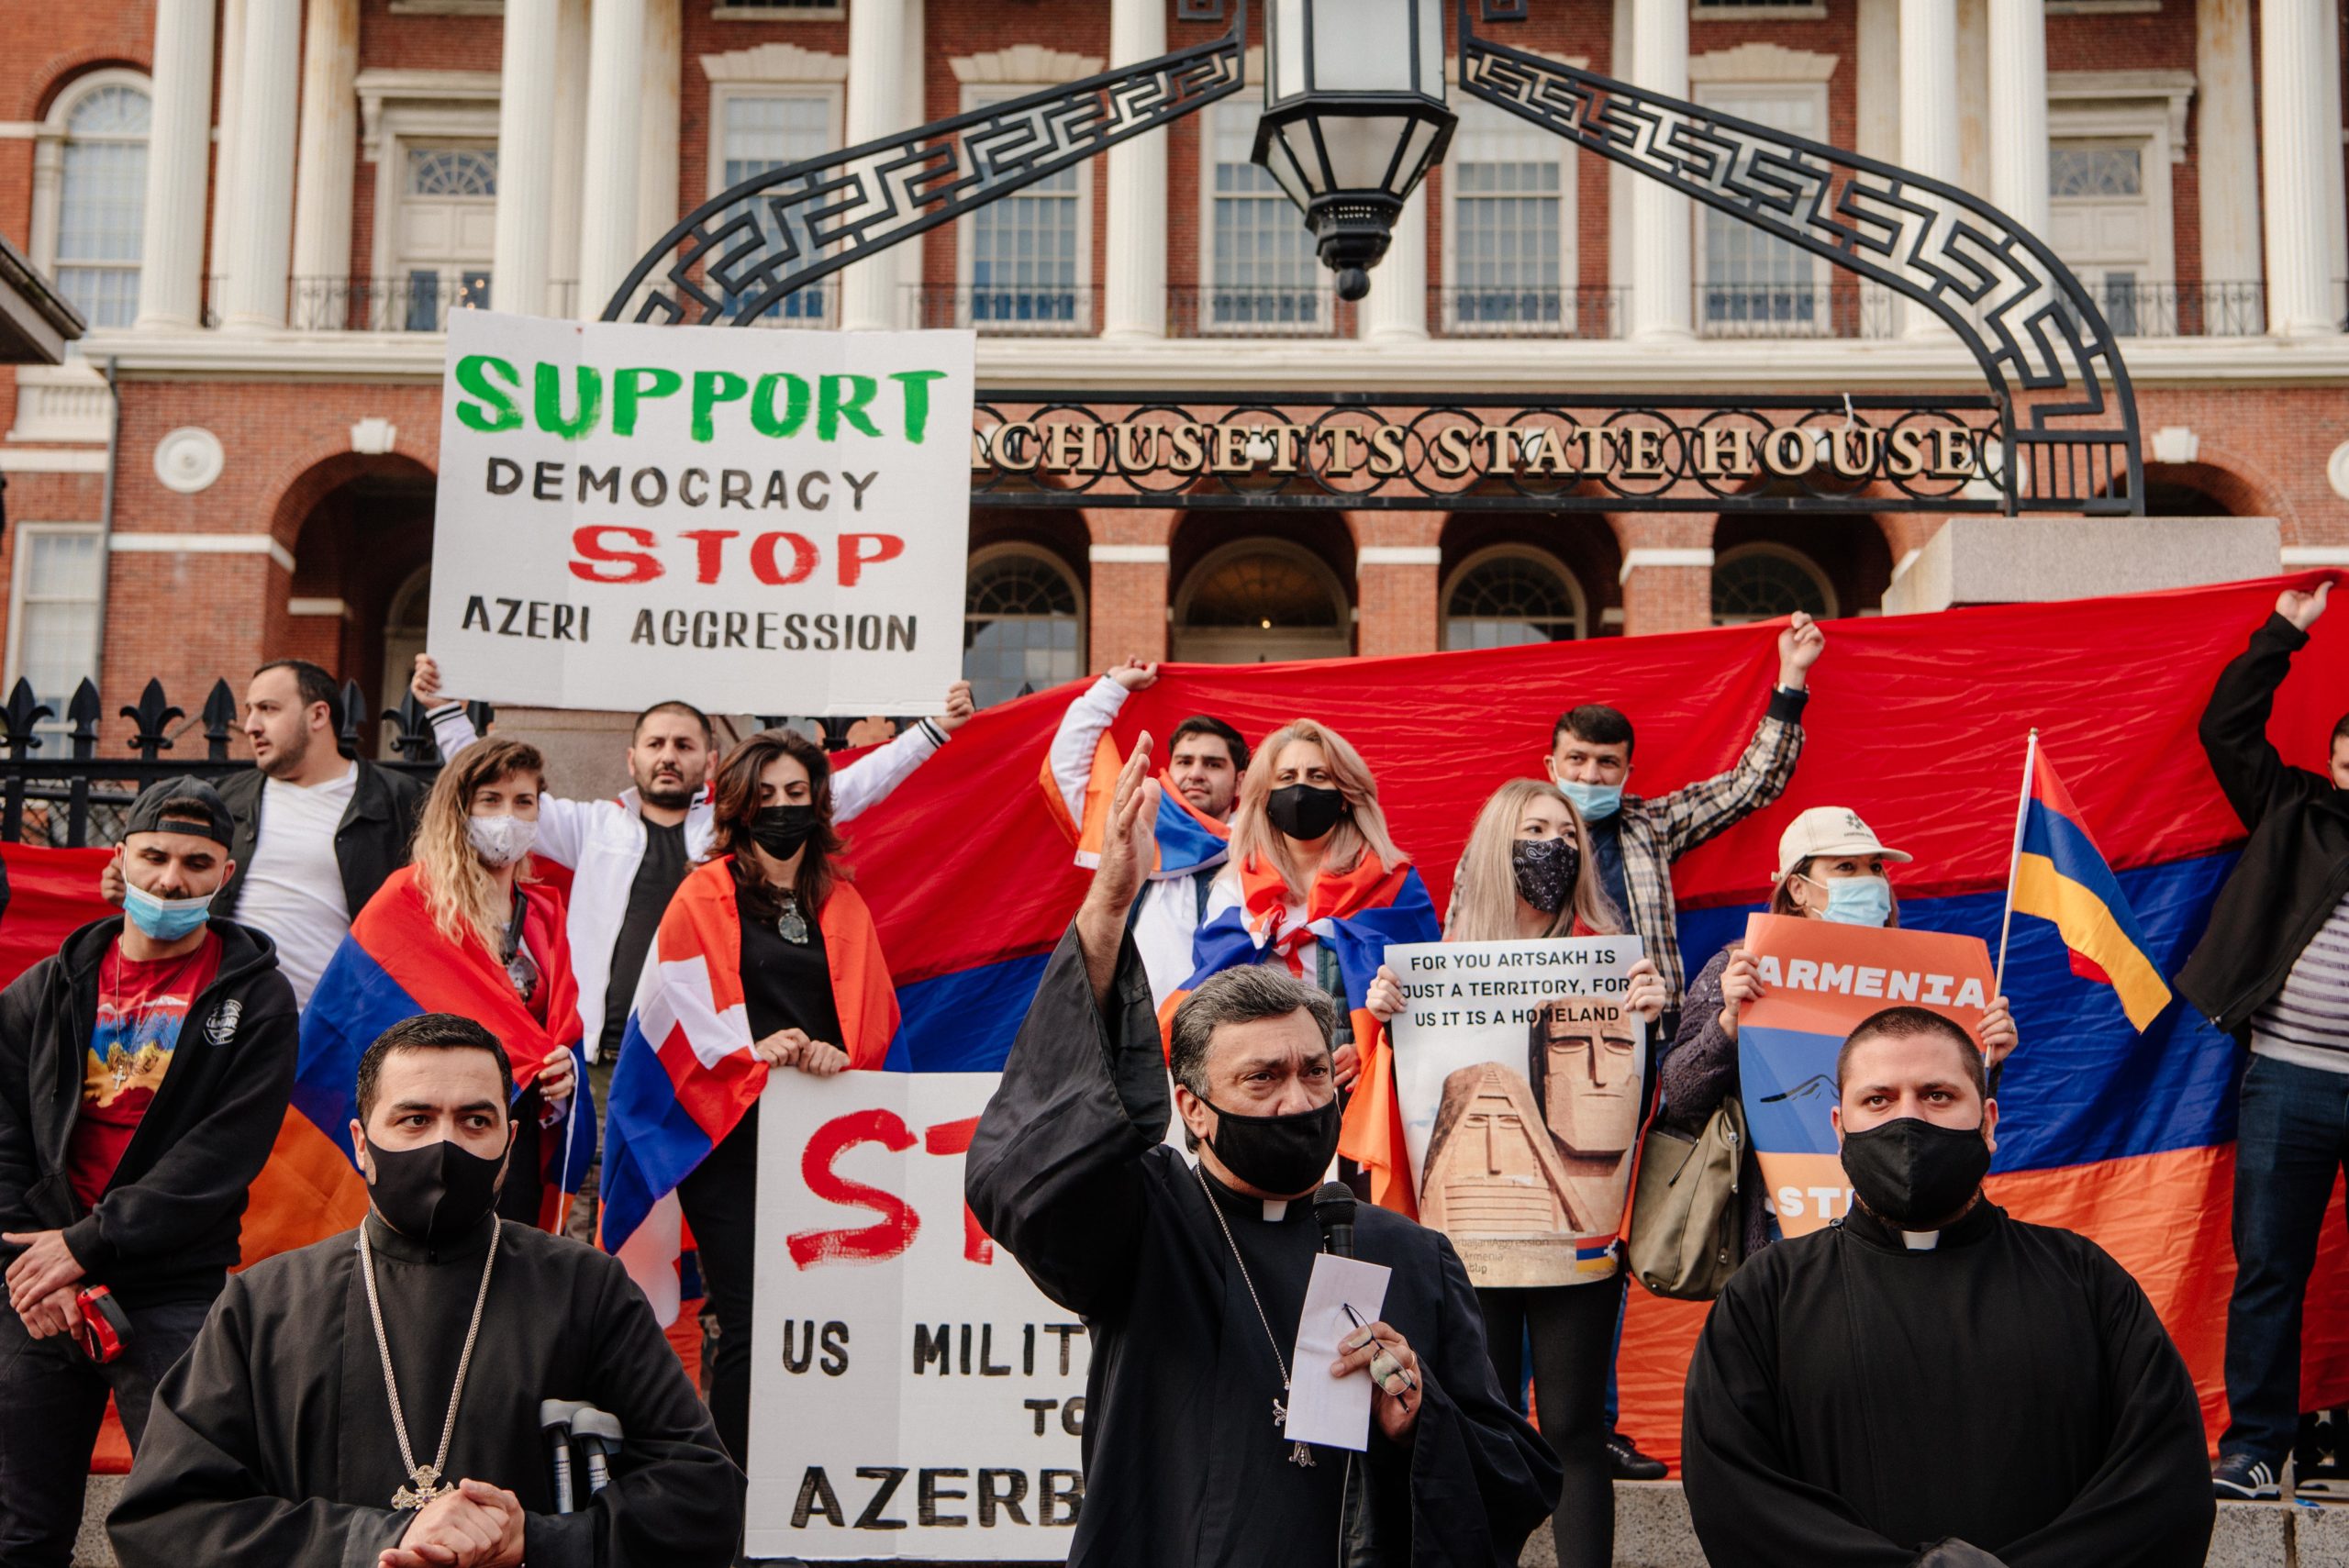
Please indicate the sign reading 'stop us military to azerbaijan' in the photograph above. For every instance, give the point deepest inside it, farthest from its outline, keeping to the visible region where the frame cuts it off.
(753, 521)
(1818, 981)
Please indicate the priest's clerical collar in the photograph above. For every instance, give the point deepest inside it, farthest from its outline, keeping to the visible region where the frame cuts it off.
(1977, 1223)
(1272, 1211)
(390, 1243)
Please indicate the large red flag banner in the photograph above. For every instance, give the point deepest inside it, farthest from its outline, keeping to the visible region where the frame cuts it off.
(1915, 724)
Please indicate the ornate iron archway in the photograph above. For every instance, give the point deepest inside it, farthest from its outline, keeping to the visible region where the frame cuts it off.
(2061, 440)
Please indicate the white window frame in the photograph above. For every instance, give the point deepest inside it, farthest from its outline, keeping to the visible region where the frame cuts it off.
(2144, 109)
(1539, 557)
(1733, 98)
(980, 95)
(48, 155)
(1323, 287)
(1752, 548)
(834, 96)
(987, 553)
(1714, 11)
(19, 568)
(723, 12)
(1569, 258)
(396, 108)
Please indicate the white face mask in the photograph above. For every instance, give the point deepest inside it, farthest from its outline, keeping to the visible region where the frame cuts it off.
(501, 841)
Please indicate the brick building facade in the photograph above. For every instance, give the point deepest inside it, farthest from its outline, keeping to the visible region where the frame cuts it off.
(266, 207)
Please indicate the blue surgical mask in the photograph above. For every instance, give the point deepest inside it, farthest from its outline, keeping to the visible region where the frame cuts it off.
(165, 919)
(1597, 802)
(1856, 900)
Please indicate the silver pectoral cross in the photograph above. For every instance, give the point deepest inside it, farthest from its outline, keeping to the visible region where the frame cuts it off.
(1299, 1454)
(425, 1487)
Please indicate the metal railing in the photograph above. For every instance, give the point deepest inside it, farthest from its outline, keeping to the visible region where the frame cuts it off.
(2183, 310)
(1795, 310)
(1021, 310)
(55, 790)
(1212, 311)
(1500, 311)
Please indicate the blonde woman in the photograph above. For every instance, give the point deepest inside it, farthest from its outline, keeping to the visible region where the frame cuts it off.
(1527, 873)
(1316, 883)
(465, 927)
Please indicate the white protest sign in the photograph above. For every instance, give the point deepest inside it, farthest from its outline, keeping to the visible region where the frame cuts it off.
(761, 522)
(1519, 1076)
(914, 1395)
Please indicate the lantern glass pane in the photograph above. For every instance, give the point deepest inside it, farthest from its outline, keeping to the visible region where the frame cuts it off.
(1415, 154)
(1284, 50)
(1361, 46)
(1361, 148)
(1284, 166)
(1431, 22)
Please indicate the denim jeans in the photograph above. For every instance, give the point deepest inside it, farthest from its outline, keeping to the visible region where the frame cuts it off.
(2293, 1138)
(53, 1401)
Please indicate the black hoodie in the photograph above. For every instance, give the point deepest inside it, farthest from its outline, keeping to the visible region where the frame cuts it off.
(167, 1227)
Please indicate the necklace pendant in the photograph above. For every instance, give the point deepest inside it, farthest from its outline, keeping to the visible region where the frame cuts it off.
(792, 926)
(1301, 1456)
(425, 1487)
(1280, 1414)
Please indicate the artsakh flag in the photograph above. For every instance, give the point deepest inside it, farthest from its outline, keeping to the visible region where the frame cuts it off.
(395, 964)
(688, 1073)
(1354, 915)
(2060, 875)
(1186, 839)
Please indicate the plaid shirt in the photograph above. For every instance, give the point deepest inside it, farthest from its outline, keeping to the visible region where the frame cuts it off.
(1654, 833)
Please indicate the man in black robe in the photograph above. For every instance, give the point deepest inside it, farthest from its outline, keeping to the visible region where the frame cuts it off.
(1191, 1280)
(1929, 1382)
(273, 1440)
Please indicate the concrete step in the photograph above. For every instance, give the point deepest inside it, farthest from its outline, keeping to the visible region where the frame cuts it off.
(1652, 1531)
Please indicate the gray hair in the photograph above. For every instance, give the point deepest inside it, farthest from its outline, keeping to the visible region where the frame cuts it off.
(1240, 995)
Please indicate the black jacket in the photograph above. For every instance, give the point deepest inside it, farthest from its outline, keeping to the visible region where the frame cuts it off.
(168, 1225)
(2296, 866)
(371, 844)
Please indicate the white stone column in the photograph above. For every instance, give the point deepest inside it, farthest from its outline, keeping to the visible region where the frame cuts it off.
(656, 174)
(225, 198)
(326, 158)
(915, 106)
(171, 262)
(2336, 192)
(1397, 310)
(1661, 286)
(608, 247)
(260, 235)
(2227, 148)
(1929, 139)
(876, 106)
(570, 155)
(519, 268)
(2294, 55)
(1134, 286)
(1620, 180)
(2019, 111)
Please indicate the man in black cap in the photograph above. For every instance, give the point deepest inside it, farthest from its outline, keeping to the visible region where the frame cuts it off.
(144, 1072)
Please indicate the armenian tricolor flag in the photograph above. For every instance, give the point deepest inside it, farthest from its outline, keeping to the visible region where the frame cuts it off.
(686, 1072)
(2059, 874)
(393, 965)
(1188, 839)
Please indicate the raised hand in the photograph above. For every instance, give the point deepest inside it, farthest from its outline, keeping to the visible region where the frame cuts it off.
(1799, 647)
(424, 684)
(2302, 609)
(1133, 674)
(959, 707)
(1126, 847)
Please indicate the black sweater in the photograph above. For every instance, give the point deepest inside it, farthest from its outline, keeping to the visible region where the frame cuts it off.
(2295, 868)
(167, 1227)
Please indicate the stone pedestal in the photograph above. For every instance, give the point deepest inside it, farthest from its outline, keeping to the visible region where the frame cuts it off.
(2004, 560)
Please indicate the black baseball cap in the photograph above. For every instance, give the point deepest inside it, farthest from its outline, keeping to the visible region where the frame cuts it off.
(194, 806)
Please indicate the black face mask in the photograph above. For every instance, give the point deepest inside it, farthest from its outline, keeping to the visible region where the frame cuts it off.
(1305, 812)
(1916, 1173)
(1283, 1155)
(781, 829)
(434, 1193)
(1545, 871)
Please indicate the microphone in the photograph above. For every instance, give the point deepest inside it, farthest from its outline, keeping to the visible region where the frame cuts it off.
(1333, 1209)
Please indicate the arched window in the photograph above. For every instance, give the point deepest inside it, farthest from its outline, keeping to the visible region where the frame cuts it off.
(1506, 598)
(1262, 599)
(1023, 624)
(102, 201)
(1755, 582)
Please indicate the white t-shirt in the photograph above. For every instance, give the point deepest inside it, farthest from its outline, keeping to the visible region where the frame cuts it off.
(293, 890)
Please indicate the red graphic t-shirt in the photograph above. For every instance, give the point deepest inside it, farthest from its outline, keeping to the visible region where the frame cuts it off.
(141, 1009)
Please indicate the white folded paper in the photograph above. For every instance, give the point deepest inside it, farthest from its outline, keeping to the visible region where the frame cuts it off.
(1333, 1411)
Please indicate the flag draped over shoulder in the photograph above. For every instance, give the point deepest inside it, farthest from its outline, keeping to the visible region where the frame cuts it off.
(393, 965)
(1355, 914)
(2061, 876)
(1186, 840)
(686, 1072)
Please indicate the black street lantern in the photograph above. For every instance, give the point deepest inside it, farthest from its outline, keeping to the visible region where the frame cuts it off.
(1355, 113)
